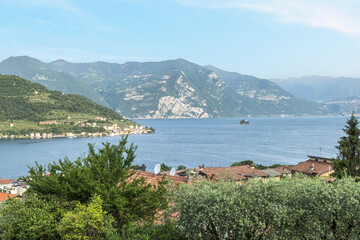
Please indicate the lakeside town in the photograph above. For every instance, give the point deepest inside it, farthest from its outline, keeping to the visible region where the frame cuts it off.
(99, 127)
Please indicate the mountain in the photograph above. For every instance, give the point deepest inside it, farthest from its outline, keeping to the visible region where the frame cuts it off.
(320, 88)
(40, 72)
(30, 107)
(181, 89)
(178, 88)
(168, 89)
(265, 96)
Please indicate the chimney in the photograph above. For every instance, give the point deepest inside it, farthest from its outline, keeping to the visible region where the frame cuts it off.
(312, 167)
(252, 166)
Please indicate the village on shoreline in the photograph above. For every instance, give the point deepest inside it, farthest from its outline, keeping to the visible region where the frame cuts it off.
(96, 130)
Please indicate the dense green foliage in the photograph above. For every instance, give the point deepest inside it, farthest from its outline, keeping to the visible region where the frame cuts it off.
(245, 162)
(348, 159)
(21, 99)
(149, 231)
(104, 173)
(138, 167)
(297, 208)
(257, 166)
(86, 222)
(31, 218)
(181, 167)
(164, 167)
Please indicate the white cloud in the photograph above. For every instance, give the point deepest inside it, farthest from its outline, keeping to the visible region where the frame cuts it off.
(340, 15)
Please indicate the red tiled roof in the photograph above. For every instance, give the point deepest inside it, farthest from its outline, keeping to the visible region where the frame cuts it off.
(306, 167)
(6, 181)
(153, 179)
(234, 173)
(6, 196)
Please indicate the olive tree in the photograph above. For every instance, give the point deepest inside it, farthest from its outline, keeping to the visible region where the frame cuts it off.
(296, 208)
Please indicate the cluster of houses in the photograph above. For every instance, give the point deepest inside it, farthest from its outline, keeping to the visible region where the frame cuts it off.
(314, 166)
(111, 130)
(9, 188)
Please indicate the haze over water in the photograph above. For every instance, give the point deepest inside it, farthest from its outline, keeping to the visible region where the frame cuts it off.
(192, 142)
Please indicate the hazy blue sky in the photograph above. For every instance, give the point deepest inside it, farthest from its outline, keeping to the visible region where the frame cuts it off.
(265, 38)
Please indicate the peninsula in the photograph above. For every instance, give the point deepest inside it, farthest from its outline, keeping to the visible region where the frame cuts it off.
(29, 110)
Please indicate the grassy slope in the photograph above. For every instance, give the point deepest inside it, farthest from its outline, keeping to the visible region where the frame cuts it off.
(25, 104)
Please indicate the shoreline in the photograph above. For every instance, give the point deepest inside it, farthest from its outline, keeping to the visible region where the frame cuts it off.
(74, 135)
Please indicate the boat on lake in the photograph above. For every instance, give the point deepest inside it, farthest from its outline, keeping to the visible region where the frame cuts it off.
(244, 122)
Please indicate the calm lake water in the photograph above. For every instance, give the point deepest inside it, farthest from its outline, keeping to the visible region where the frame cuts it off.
(192, 142)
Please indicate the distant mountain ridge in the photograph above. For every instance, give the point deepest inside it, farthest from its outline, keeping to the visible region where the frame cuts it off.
(321, 88)
(169, 89)
(268, 95)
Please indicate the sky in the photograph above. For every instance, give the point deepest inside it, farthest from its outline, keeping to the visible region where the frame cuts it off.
(263, 38)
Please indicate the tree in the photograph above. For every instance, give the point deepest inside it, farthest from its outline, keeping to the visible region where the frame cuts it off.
(165, 167)
(105, 173)
(246, 162)
(348, 159)
(137, 167)
(293, 208)
(86, 222)
(31, 218)
(181, 167)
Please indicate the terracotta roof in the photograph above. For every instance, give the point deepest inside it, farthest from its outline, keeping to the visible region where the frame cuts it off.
(4, 181)
(320, 159)
(234, 173)
(5, 196)
(312, 167)
(153, 179)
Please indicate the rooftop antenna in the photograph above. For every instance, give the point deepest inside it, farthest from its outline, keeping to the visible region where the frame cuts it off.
(172, 172)
(320, 152)
(157, 169)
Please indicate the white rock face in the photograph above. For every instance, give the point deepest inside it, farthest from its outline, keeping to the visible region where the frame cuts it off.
(184, 104)
(213, 75)
(184, 89)
(262, 95)
(134, 96)
(174, 107)
(39, 77)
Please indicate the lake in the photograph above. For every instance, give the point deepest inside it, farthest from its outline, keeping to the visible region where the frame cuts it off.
(192, 142)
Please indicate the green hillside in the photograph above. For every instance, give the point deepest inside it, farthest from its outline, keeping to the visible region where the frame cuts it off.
(27, 107)
(37, 71)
